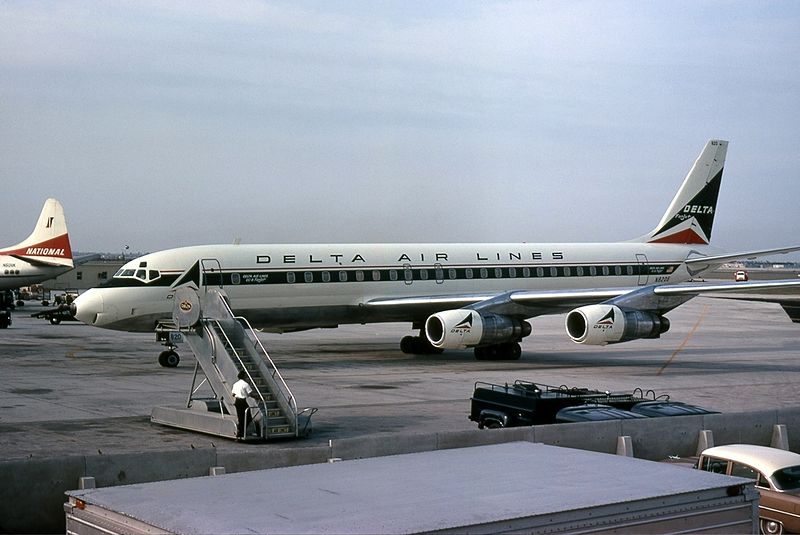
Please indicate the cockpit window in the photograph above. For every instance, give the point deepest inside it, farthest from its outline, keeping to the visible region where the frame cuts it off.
(141, 273)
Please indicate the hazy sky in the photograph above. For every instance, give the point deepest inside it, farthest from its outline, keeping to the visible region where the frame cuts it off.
(161, 124)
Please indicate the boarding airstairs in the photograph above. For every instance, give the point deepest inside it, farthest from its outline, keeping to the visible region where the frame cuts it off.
(224, 345)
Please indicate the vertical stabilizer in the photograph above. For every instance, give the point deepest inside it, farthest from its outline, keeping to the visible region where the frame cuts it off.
(690, 216)
(49, 241)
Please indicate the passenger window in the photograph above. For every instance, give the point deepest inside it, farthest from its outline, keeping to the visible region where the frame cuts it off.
(484, 273)
(342, 276)
(308, 276)
(393, 275)
(629, 269)
(540, 272)
(579, 271)
(742, 470)
(567, 271)
(605, 270)
(526, 272)
(326, 276)
(360, 276)
(554, 272)
(451, 273)
(498, 273)
(423, 274)
(592, 271)
(290, 277)
(468, 273)
(512, 272)
(235, 278)
(376, 275)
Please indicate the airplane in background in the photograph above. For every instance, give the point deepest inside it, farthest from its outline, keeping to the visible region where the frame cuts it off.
(457, 295)
(44, 254)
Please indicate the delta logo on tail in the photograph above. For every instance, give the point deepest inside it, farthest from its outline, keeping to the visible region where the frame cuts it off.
(692, 224)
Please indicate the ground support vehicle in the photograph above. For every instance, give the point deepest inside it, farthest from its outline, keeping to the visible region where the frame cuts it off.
(56, 315)
(6, 306)
(525, 403)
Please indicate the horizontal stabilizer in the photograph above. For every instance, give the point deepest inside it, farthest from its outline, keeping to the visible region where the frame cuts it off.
(749, 255)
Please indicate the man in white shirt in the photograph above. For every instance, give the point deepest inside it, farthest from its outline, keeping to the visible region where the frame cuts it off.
(241, 391)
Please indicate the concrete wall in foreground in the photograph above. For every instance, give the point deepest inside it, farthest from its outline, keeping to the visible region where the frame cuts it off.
(32, 490)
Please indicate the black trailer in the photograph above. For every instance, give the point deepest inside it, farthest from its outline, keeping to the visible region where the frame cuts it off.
(525, 403)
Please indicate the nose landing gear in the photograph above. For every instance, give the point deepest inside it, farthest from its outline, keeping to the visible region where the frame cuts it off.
(168, 358)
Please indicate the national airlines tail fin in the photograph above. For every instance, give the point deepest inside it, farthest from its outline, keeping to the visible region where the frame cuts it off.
(48, 244)
(690, 216)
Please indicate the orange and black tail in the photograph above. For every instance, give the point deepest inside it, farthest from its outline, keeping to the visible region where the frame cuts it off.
(48, 244)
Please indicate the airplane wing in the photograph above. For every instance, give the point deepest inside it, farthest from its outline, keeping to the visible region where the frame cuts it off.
(531, 303)
(707, 261)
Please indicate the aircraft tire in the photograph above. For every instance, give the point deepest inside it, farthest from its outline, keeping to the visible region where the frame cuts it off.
(169, 359)
(406, 345)
(55, 321)
(507, 351)
(417, 345)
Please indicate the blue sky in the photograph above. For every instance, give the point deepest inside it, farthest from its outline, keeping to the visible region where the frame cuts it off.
(161, 124)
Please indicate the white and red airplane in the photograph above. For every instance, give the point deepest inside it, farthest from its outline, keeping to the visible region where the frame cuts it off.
(45, 254)
(458, 295)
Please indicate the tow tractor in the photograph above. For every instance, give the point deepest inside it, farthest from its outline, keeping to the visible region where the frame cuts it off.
(524, 403)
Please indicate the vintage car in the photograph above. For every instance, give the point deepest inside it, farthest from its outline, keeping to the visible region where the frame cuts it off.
(777, 476)
(741, 276)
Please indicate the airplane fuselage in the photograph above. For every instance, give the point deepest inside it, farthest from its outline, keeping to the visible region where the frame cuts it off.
(16, 273)
(293, 287)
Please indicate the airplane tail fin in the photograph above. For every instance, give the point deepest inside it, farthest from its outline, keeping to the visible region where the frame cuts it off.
(48, 244)
(690, 216)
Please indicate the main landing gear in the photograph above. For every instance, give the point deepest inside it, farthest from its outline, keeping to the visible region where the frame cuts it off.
(418, 345)
(507, 351)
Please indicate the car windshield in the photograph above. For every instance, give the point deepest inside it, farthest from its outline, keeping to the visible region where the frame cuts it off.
(787, 478)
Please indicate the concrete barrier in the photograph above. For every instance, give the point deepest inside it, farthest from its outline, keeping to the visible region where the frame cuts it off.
(32, 493)
(32, 490)
(593, 436)
(382, 445)
(261, 459)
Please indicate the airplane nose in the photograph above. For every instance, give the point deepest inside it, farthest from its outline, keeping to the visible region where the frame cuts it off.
(87, 307)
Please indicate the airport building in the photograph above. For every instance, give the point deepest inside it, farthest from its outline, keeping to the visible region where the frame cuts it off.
(87, 275)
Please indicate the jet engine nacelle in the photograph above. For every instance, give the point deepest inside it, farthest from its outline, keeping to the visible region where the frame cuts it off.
(463, 328)
(609, 324)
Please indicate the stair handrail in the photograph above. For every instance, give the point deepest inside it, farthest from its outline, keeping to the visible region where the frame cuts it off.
(285, 391)
(241, 363)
